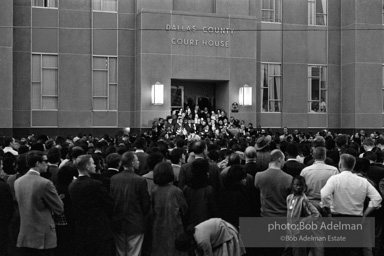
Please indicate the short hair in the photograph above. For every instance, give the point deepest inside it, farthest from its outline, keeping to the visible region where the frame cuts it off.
(320, 153)
(175, 155)
(33, 157)
(318, 141)
(341, 140)
(76, 151)
(153, 159)
(127, 159)
(235, 173)
(82, 161)
(199, 147)
(233, 159)
(302, 180)
(250, 152)
(21, 164)
(113, 160)
(347, 161)
(163, 174)
(7, 141)
(140, 143)
(292, 149)
(276, 154)
(369, 142)
(53, 155)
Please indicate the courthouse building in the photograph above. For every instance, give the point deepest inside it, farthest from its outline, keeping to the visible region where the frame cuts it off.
(92, 65)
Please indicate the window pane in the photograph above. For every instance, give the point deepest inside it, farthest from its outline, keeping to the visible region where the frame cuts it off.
(315, 71)
(323, 78)
(110, 5)
(38, 3)
(113, 70)
(52, 3)
(274, 106)
(100, 103)
(100, 83)
(36, 68)
(264, 96)
(278, 11)
(49, 102)
(36, 96)
(49, 61)
(100, 63)
(49, 82)
(267, 4)
(314, 106)
(321, 6)
(97, 5)
(267, 16)
(311, 13)
(113, 97)
(315, 89)
(320, 19)
(323, 101)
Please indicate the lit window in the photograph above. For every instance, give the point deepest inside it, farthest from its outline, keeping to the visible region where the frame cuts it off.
(104, 83)
(271, 87)
(271, 10)
(105, 5)
(317, 88)
(44, 81)
(45, 3)
(317, 12)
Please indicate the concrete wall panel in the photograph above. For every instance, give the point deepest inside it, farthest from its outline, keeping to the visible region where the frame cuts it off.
(295, 88)
(44, 118)
(208, 6)
(74, 119)
(239, 7)
(299, 7)
(44, 17)
(369, 43)
(317, 46)
(104, 42)
(76, 5)
(295, 44)
(21, 81)
(45, 40)
(272, 120)
(295, 120)
(104, 118)
(126, 86)
(166, 5)
(317, 120)
(76, 41)
(243, 41)
(369, 11)
(75, 19)
(271, 42)
(75, 87)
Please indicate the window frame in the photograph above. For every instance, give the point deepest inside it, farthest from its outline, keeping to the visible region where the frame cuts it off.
(46, 7)
(382, 88)
(310, 100)
(101, 8)
(325, 14)
(41, 68)
(109, 84)
(280, 14)
(262, 87)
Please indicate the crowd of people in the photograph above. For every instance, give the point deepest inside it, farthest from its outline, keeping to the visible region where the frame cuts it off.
(169, 194)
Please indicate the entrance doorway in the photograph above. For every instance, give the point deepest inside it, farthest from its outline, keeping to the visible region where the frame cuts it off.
(211, 94)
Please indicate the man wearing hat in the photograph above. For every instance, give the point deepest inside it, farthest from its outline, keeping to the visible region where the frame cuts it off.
(263, 152)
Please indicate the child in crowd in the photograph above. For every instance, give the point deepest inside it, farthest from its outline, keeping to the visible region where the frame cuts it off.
(300, 209)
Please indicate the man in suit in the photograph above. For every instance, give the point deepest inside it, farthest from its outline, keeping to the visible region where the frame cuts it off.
(140, 145)
(113, 162)
(37, 199)
(250, 161)
(92, 209)
(292, 166)
(132, 203)
(200, 150)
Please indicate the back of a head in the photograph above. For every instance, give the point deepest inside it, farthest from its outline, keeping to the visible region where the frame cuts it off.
(250, 153)
(153, 159)
(199, 147)
(175, 155)
(33, 157)
(113, 160)
(292, 149)
(236, 173)
(127, 159)
(9, 161)
(318, 141)
(330, 144)
(276, 155)
(140, 143)
(7, 141)
(82, 162)
(369, 142)
(319, 153)
(341, 140)
(54, 155)
(21, 164)
(163, 174)
(347, 161)
(76, 151)
(233, 159)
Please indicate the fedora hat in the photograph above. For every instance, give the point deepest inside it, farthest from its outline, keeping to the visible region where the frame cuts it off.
(262, 142)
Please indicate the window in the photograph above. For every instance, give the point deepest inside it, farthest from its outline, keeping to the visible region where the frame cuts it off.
(105, 5)
(104, 83)
(44, 81)
(271, 10)
(317, 84)
(45, 3)
(317, 12)
(177, 97)
(270, 87)
(382, 12)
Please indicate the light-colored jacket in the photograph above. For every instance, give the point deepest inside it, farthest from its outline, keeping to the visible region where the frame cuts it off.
(37, 199)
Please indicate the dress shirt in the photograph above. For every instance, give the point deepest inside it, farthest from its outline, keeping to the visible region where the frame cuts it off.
(316, 175)
(10, 150)
(348, 192)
